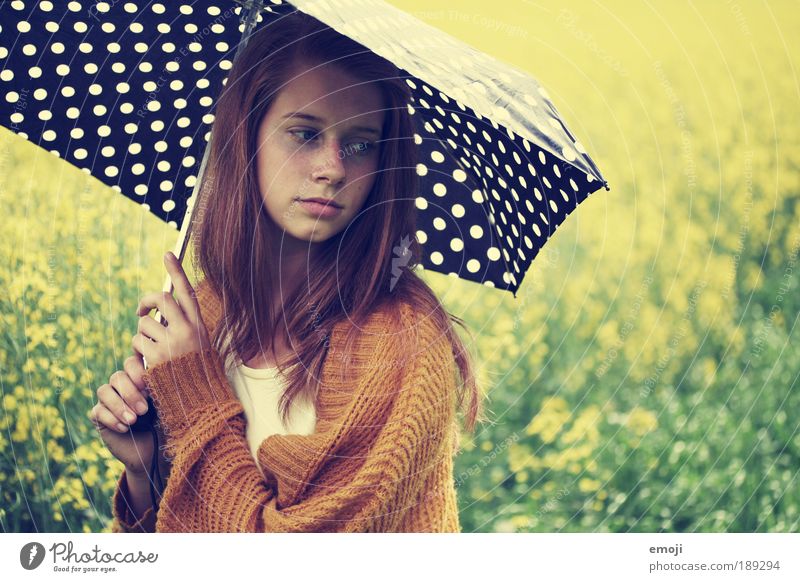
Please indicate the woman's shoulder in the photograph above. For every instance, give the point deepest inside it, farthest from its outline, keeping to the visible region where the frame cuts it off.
(395, 331)
(391, 317)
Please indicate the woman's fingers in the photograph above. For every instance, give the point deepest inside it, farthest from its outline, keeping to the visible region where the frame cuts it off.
(128, 391)
(162, 301)
(134, 367)
(102, 417)
(152, 329)
(109, 396)
(184, 292)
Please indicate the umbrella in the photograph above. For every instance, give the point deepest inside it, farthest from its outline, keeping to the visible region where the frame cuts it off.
(126, 92)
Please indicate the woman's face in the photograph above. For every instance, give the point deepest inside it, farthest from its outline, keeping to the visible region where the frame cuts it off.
(319, 139)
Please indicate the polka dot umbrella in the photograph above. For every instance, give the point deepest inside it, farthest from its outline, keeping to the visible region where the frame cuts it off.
(126, 91)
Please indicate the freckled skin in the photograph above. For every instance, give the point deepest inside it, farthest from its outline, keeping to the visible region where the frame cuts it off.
(332, 158)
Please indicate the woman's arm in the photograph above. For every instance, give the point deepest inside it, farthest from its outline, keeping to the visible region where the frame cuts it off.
(366, 467)
(132, 504)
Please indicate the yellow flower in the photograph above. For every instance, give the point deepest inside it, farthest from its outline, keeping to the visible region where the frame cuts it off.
(641, 421)
(55, 451)
(91, 476)
(586, 485)
(9, 402)
(585, 426)
(550, 419)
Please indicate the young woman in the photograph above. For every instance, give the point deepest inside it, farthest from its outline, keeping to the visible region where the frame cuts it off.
(308, 384)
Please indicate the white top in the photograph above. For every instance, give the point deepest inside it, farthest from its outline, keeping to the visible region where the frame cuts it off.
(259, 390)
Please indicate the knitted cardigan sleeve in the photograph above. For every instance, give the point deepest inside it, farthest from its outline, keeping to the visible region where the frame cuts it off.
(355, 474)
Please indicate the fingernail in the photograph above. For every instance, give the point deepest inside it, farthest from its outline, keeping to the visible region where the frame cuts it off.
(129, 416)
(121, 427)
(141, 407)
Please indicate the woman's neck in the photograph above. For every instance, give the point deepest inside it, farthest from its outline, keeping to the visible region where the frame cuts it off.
(293, 262)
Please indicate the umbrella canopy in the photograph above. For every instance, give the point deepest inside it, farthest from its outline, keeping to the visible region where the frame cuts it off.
(127, 92)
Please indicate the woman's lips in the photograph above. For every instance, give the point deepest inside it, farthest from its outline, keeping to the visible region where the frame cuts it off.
(319, 209)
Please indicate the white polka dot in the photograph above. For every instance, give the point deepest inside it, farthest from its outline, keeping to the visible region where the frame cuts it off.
(457, 211)
(439, 189)
(459, 175)
(168, 205)
(457, 245)
(165, 186)
(437, 258)
(422, 237)
(493, 254)
(422, 169)
(439, 223)
(421, 203)
(473, 265)
(437, 156)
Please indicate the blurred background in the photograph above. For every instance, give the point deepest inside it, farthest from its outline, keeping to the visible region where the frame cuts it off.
(645, 378)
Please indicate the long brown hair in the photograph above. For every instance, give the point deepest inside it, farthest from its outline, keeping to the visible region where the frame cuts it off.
(234, 248)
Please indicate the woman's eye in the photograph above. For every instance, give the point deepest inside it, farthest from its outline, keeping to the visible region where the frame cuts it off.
(361, 147)
(304, 134)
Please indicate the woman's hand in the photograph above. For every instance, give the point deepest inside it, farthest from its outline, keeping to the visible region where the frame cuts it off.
(125, 394)
(181, 332)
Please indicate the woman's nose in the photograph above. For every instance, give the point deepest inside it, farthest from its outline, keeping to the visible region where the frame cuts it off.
(330, 162)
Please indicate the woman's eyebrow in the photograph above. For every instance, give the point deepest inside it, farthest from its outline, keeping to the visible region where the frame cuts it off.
(309, 117)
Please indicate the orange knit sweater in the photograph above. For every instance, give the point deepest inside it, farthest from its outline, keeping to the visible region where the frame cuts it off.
(380, 459)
